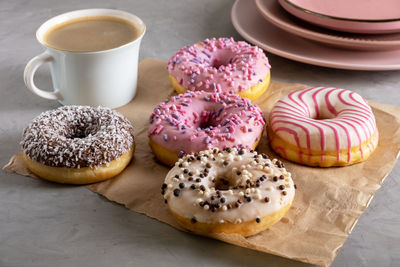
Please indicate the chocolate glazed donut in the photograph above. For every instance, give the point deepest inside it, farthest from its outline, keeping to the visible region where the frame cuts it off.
(78, 144)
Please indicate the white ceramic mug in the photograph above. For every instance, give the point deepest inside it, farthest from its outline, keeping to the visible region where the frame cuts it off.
(106, 78)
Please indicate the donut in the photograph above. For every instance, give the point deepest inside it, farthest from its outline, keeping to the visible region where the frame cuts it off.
(323, 126)
(199, 120)
(221, 64)
(78, 144)
(230, 191)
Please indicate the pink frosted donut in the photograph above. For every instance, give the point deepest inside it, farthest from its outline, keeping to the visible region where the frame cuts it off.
(196, 121)
(220, 64)
(323, 126)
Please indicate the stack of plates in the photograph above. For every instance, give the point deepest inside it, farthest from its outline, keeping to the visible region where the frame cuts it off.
(306, 31)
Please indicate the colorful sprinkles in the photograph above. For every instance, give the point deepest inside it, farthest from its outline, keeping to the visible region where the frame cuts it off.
(199, 120)
(219, 64)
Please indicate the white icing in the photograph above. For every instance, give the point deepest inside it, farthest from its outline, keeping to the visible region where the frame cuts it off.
(188, 203)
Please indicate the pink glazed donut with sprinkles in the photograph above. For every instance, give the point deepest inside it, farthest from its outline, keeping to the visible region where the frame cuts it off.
(323, 126)
(199, 120)
(220, 64)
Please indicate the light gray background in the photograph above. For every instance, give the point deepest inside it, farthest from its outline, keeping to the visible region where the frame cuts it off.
(45, 224)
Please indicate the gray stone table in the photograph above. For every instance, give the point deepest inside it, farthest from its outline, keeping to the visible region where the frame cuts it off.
(45, 224)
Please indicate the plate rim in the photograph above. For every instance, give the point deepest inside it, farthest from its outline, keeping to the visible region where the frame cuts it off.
(303, 59)
(340, 18)
(317, 36)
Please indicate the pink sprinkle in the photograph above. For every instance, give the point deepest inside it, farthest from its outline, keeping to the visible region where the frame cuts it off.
(158, 129)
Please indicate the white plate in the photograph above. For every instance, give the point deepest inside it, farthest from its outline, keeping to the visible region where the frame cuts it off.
(255, 29)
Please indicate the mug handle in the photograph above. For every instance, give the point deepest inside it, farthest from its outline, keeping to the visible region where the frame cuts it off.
(29, 73)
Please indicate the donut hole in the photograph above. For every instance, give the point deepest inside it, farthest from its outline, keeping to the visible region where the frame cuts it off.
(217, 63)
(81, 132)
(207, 120)
(222, 183)
(77, 134)
(323, 113)
(324, 117)
(222, 59)
(207, 124)
(225, 182)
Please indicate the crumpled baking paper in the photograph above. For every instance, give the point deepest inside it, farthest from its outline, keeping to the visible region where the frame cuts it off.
(328, 201)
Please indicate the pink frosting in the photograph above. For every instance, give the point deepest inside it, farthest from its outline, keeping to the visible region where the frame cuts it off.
(325, 119)
(221, 64)
(196, 121)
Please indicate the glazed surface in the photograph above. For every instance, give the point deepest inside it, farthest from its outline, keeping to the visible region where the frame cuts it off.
(199, 120)
(219, 64)
(77, 136)
(232, 185)
(324, 119)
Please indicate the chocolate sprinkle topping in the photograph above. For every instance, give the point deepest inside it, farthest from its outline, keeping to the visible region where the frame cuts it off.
(177, 192)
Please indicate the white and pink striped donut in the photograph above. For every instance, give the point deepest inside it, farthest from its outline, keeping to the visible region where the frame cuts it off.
(323, 126)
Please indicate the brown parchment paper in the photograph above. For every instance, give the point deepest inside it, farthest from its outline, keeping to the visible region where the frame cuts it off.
(328, 201)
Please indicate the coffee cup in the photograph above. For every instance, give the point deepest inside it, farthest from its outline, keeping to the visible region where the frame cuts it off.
(97, 78)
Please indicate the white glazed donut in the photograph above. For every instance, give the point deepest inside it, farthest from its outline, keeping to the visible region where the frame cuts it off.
(228, 191)
(323, 126)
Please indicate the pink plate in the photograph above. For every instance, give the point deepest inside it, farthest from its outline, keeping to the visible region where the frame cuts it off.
(358, 16)
(274, 13)
(255, 29)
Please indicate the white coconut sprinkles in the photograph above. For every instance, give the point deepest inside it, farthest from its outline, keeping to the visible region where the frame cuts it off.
(77, 136)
